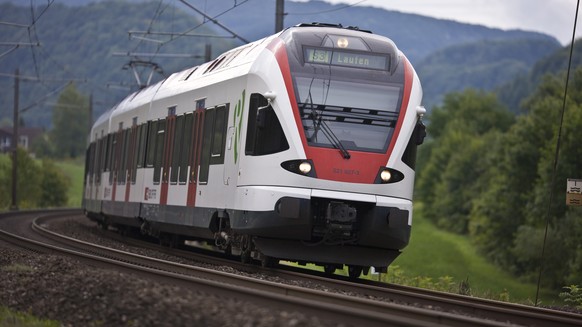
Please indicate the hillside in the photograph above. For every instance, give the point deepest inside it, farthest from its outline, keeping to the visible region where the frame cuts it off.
(483, 65)
(78, 41)
(512, 93)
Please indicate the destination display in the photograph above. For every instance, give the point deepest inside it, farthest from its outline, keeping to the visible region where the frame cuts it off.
(344, 58)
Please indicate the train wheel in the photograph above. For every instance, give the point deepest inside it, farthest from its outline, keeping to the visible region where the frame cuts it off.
(246, 248)
(228, 250)
(268, 262)
(365, 271)
(354, 271)
(245, 256)
(103, 225)
(329, 269)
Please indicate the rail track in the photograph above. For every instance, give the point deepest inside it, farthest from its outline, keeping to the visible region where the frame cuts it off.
(453, 310)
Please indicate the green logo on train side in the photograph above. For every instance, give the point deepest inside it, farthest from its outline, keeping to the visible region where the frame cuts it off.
(237, 120)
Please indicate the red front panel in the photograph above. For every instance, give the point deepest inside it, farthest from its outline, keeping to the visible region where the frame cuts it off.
(362, 167)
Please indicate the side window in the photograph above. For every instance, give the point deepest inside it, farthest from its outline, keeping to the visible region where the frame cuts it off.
(264, 132)
(102, 158)
(113, 156)
(416, 139)
(142, 142)
(124, 147)
(159, 150)
(214, 140)
(177, 141)
(138, 152)
(98, 153)
(219, 135)
(90, 161)
(187, 146)
(206, 143)
(151, 143)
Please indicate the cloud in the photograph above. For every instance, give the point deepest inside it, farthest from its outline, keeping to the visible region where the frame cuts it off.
(553, 17)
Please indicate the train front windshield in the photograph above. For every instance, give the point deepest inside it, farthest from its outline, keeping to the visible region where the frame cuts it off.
(360, 115)
(347, 97)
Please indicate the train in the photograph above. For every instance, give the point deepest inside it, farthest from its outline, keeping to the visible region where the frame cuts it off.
(300, 146)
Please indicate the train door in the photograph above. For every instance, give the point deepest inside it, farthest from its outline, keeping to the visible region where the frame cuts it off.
(167, 156)
(115, 160)
(131, 158)
(197, 130)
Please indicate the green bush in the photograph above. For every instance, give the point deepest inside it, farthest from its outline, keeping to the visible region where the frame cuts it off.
(40, 184)
(573, 295)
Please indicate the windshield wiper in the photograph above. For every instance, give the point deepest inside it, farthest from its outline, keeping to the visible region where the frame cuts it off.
(328, 132)
(330, 135)
(318, 122)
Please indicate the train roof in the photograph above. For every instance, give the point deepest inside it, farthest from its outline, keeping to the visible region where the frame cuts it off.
(241, 58)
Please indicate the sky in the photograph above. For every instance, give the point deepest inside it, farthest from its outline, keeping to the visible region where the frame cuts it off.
(553, 17)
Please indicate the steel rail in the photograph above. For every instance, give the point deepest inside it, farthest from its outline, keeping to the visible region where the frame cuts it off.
(473, 306)
(344, 308)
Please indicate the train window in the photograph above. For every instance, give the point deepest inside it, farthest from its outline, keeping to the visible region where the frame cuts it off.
(130, 152)
(135, 159)
(218, 135)
(102, 158)
(89, 162)
(177, 142)
(97, 161)
(214, 140)
(206, 143)
(264, 132)
(113, 157)
(107, 157)
(151, 143)
(201, 103)
(187, 146)
(159, 150)
(141, 147)
(416, 139)
(122, 175)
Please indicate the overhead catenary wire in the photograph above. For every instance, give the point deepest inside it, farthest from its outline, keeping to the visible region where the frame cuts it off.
(326, 11)
(557, 152)
(215, 21)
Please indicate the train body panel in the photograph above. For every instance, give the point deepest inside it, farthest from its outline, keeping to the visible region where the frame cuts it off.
(299, 146)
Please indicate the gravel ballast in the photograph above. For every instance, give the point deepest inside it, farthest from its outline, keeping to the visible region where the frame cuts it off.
(74, 294)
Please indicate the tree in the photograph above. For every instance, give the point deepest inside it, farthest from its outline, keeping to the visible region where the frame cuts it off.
(70, 121)
(54, 185)
(507, 221)
(38, 185)
(28, 187)
(462, 133)
(564, 241)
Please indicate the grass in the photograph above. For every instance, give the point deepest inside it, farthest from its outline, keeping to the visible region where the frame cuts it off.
(435, 254)
(74, 169)
(9, 318)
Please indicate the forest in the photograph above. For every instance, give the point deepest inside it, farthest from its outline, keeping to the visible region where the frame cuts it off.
(489, 174)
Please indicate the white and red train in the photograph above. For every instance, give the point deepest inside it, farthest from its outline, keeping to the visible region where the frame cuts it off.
(300, 146)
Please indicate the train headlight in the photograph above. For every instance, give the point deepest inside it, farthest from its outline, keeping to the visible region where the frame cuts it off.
(342, 42)
(305, 167)
(385, 176)
(388, 175)
(302, 167)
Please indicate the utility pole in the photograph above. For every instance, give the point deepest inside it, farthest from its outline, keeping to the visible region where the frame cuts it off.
(14, 205)
(208, 52)
(279, 15)
(90, 118)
